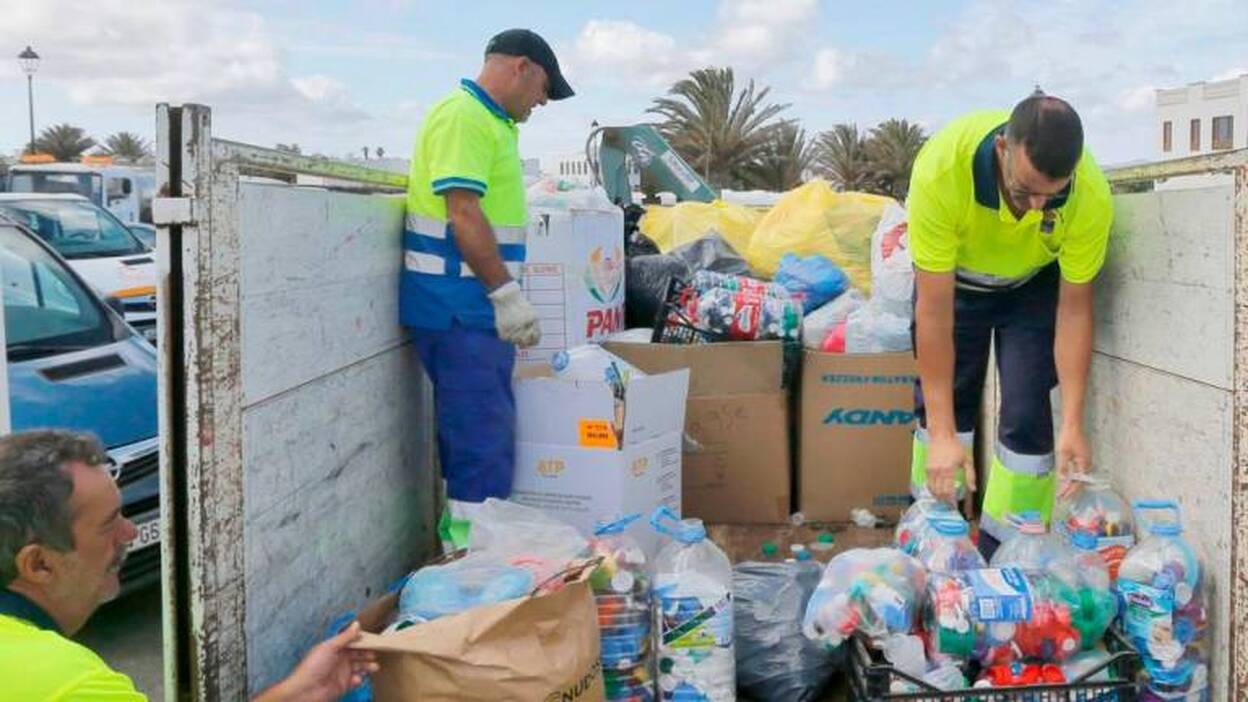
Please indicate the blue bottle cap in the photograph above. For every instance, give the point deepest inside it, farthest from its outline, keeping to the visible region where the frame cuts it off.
(1083, 540)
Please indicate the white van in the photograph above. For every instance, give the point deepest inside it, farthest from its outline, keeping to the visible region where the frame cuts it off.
(99, 247)
(126, 191)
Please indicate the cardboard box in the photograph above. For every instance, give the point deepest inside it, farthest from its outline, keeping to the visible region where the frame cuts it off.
(855, 434)
(738, 468)
(572, 462)
(574, 276)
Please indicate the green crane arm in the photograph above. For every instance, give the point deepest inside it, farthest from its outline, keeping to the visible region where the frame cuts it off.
(652, 154)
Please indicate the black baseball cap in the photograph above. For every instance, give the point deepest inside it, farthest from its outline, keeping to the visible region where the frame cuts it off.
(525, 42)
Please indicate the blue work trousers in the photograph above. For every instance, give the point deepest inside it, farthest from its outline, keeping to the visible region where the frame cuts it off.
(471, 371)
(1023, 323)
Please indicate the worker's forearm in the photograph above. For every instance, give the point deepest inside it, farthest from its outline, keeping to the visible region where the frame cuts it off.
(477, 245)
(280, 692)
(934, 332)
(1072, 351)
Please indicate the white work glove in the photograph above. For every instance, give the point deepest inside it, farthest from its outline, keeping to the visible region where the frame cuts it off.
(514, 318)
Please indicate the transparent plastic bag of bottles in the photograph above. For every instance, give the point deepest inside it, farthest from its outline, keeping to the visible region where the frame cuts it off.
(876, 592)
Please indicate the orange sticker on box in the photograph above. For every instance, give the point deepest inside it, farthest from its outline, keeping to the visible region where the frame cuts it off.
(597, 433)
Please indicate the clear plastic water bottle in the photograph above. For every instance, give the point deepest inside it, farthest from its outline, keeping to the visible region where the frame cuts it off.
(912, 528)
(592, 363)
(693, 589)
(1160, 587)
(948, 548)
(1033, 548)
(1097, 509)
(625, 615)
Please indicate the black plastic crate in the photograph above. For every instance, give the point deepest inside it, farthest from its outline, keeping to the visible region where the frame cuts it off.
(871, 678)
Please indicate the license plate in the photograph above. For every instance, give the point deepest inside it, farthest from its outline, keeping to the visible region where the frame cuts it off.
(149, 533)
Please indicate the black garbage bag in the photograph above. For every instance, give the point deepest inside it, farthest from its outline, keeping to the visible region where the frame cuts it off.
(775, 661)
(646, 285)
(712, 253)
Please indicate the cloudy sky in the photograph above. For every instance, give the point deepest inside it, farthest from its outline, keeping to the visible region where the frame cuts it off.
(335, 76)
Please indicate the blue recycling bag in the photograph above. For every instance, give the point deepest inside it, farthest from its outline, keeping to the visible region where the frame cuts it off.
(813, 280)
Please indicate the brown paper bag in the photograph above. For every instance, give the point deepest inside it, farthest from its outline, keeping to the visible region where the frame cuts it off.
(541, 648)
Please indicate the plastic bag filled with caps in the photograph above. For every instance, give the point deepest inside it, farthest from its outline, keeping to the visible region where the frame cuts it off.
(876, 592)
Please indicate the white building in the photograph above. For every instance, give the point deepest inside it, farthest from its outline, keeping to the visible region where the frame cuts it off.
(1202, 118)
(573, 167)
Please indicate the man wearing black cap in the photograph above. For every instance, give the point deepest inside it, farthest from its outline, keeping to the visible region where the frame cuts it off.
(463, 246)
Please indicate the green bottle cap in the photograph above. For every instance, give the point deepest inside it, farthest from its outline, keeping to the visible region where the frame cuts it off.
(770, 549)
(826, 537)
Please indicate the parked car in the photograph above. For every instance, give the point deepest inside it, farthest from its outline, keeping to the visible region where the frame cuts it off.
(73, 363)
(101, 249)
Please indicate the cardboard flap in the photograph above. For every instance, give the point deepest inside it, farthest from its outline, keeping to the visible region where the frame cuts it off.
(731, 368)
(551, 411)
(654, 405)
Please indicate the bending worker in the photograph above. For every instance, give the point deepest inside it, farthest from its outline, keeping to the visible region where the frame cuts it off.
(1009, 221)
(463, 246)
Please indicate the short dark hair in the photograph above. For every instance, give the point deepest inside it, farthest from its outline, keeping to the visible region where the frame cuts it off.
(35, 487)
(1050, 131)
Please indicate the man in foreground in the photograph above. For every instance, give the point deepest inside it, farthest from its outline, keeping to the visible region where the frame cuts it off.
(62, 543)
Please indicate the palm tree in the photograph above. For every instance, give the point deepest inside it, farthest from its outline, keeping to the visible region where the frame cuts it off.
(127, 146)
(785, 161)
(842, 158)
(891, 149)
(64, 142)
(717, 129)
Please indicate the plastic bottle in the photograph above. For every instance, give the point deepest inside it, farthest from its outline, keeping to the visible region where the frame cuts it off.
(592, 363)
(693, 587)
(1033, 548)
(1098, 605)
(625, 615)
(1097, 509)
(1160, 587)
(947, 548)
(912, 528)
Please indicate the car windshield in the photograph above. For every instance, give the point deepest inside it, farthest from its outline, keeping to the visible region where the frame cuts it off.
(146, 234)
(46, 309)
(75, 228)
(87, 185)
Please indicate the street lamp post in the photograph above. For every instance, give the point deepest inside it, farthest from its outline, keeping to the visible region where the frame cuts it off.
(29, 62)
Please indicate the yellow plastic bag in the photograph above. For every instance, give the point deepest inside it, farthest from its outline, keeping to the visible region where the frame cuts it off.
(815, 219)
(671, 227)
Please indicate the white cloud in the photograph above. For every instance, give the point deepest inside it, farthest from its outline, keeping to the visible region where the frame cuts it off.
(609, 48)
(832, 67)
(116, 52)
(1138, 99)
(1104, 59)
(755, 34)
(752, 36)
